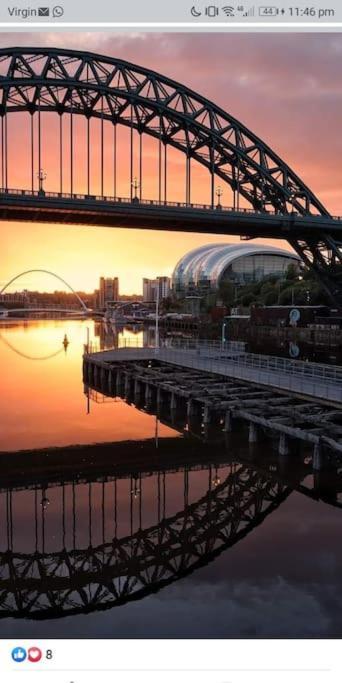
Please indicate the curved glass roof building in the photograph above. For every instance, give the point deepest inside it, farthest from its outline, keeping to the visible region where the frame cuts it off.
(207, 266)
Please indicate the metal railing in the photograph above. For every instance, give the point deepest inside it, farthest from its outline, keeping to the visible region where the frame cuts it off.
(232, 355)
(155, 202)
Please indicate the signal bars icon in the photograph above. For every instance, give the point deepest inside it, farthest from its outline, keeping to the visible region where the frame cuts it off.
(249, 12)
(230, 11)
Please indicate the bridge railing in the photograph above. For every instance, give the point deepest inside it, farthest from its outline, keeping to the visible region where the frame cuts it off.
(229, 353)
(8, 192)
(217, 356)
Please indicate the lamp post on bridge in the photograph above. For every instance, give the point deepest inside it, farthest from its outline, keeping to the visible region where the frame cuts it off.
(135, 185)
(219, 193)
(41, 175)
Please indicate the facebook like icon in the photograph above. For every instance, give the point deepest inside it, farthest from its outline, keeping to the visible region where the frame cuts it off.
(18, 654)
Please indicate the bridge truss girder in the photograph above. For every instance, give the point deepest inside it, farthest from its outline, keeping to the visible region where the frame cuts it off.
(42, 586)
(323, 254)
(38, 80)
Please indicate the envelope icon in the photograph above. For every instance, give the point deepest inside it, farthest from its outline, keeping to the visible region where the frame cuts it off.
(43, 11)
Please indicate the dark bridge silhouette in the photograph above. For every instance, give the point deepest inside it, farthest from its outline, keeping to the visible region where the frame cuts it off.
(85, 578)
(266, 198)
(87, 561)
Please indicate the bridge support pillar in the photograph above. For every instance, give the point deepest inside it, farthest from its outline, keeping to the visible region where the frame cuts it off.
(228, 422)
(137, 391)
(127, 384)
(173, 406)
(253, 433)
(190, 409)
(103, 379)
(148, 394)
(118, 382)
(206, 415)
(283, 445)
(317, 458)
(110, 381)
(159, 398)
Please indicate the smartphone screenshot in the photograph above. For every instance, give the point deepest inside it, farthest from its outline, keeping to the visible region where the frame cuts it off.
(170, 342)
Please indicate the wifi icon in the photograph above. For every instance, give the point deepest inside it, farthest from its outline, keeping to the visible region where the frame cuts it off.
(229, 11)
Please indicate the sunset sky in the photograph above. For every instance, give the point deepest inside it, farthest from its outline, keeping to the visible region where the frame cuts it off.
(287, 88)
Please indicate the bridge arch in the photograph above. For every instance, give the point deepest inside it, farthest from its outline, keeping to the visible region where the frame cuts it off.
(46, 272)
(93, 85)
(46, 585)
(37, 80)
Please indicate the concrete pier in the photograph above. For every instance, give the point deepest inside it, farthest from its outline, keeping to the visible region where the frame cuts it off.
(209, 403)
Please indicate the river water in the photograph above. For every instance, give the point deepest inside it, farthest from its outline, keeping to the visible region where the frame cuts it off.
(115, 524)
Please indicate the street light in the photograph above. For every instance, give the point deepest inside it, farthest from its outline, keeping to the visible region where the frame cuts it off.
(219, 193)
(41, 175)
(135, 185)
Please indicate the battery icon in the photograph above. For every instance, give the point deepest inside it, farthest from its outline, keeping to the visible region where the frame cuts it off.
(268, 11)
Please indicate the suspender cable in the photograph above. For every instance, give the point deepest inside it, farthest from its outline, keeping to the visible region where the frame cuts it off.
(165, 172)
(140, 502)
(32, 153)
(131, 159)
(159, 164)
(36, 518)
(212, 171)
(103, 513)
(73, 516)
(90, 522)
(63, 516)
(71, 151)
(6, 148)
(102, 159)
(39, 141)
(88, 155)
(61, 153)
(2, 154)
(114, 160)
(189, 181)
(140, 166)
(115, 509)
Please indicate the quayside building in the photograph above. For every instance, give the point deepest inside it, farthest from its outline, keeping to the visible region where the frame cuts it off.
(203, 269)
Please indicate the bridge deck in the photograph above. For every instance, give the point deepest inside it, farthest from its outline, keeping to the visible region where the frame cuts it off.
(54, 207)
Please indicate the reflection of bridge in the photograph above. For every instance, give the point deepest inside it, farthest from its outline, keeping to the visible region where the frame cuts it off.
(267, 198)
(83, 577)
(28, 356)
(114, 534)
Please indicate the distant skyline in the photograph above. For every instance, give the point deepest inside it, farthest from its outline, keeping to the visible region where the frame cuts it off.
(287, 88)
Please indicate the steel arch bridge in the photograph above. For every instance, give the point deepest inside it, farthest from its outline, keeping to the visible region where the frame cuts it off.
(45, 272)
(42, 585)
(268, 198)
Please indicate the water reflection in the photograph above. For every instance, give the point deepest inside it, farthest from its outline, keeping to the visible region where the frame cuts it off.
(79, 547)
(120, 522)
(182, 538)
(42, 402)
(297, 349)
